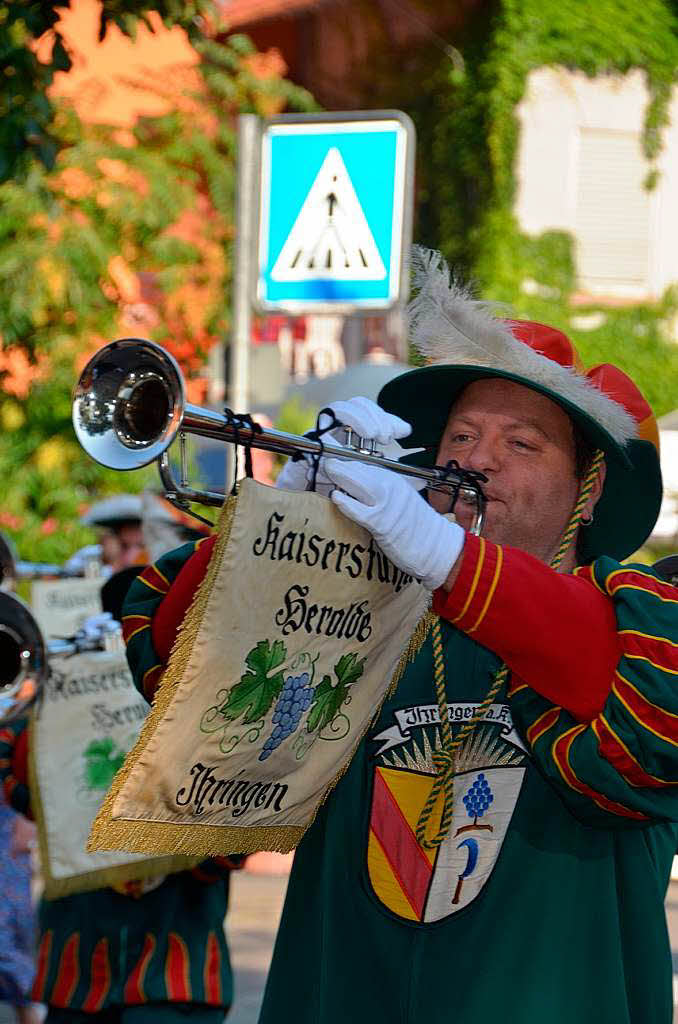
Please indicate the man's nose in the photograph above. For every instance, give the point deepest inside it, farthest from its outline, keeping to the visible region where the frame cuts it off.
(483, 456)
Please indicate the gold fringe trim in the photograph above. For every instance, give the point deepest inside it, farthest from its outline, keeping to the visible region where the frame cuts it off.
(36, 802)
(200, 840)
(137, 836)
(176, 665)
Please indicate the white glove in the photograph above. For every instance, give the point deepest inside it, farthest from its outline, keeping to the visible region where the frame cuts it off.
(77, 563)
(416, 538)
(95, 625)
(366, 419)
(369, 420)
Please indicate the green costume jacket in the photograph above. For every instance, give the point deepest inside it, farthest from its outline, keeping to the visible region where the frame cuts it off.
(545, 902)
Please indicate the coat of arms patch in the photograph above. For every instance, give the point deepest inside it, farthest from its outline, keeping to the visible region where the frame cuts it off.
(426, 885)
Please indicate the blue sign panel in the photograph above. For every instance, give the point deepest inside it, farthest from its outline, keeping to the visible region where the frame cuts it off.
(335, 212)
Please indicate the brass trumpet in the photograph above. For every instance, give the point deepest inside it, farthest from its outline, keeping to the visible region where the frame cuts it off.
(129, 406)
(13, 569)
(25, 657)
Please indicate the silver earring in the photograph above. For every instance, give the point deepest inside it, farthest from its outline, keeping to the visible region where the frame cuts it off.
(587, 518)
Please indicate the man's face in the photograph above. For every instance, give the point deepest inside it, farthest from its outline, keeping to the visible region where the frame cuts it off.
(524, 443)
(124, 547)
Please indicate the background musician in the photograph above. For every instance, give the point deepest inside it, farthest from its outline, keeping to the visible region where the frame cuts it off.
(120, 539)
(151, 950)
(134, 529)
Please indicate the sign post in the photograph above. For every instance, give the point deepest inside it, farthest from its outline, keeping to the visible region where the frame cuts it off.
(248, 138)
(335, 212)
(245, 219)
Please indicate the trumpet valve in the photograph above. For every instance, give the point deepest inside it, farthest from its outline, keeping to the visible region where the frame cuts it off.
(364, 445)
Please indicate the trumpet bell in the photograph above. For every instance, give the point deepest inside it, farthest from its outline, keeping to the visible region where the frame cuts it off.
(128, 404)
(23, 659)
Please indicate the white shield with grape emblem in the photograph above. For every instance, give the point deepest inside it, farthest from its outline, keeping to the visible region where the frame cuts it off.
(423, 884)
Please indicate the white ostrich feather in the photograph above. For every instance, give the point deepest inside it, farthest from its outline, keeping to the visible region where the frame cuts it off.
(449, 326)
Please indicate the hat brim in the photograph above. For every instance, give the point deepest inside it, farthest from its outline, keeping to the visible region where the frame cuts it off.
(629, 505)
(112, 522)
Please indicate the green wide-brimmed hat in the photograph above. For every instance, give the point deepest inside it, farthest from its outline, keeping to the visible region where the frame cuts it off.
(463, 341)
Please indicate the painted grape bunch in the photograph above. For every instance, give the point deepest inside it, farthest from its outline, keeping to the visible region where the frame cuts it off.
(295, 698)
(283, 683)
(478, 798)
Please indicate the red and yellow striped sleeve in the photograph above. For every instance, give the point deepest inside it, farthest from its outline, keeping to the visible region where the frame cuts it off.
(622, 765)
(556, 632)
(154, 608)
(170, 613)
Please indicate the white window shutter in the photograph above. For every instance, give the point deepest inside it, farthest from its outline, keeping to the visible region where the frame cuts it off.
(613, 213)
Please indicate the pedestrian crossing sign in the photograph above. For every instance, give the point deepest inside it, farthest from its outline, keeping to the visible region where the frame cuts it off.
(335, 211)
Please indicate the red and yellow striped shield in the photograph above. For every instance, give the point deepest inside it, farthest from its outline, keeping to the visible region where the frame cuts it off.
(426, 885)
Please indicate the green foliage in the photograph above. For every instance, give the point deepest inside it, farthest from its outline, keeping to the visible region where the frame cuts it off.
(467, 124)
(26, 113)
(549, 260)
(633, 339)
(294, 417)
(468, 134)
(129, 235)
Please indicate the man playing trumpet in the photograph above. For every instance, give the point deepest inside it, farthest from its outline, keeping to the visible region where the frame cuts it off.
(502, 840)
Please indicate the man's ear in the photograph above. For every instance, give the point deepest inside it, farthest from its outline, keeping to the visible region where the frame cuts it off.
(596, 491)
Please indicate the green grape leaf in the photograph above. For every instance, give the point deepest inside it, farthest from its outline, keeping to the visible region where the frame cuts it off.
(328, 698)
(257, 690)
(349, 668)
(100, 748)
(102, 761)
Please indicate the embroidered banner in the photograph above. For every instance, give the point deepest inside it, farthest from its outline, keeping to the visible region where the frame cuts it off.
(61, 606)
(292, 642)
(89, 717)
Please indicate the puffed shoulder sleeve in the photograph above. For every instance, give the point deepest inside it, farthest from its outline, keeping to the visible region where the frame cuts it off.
(621, 767)
(154, 609)
(544, 624)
